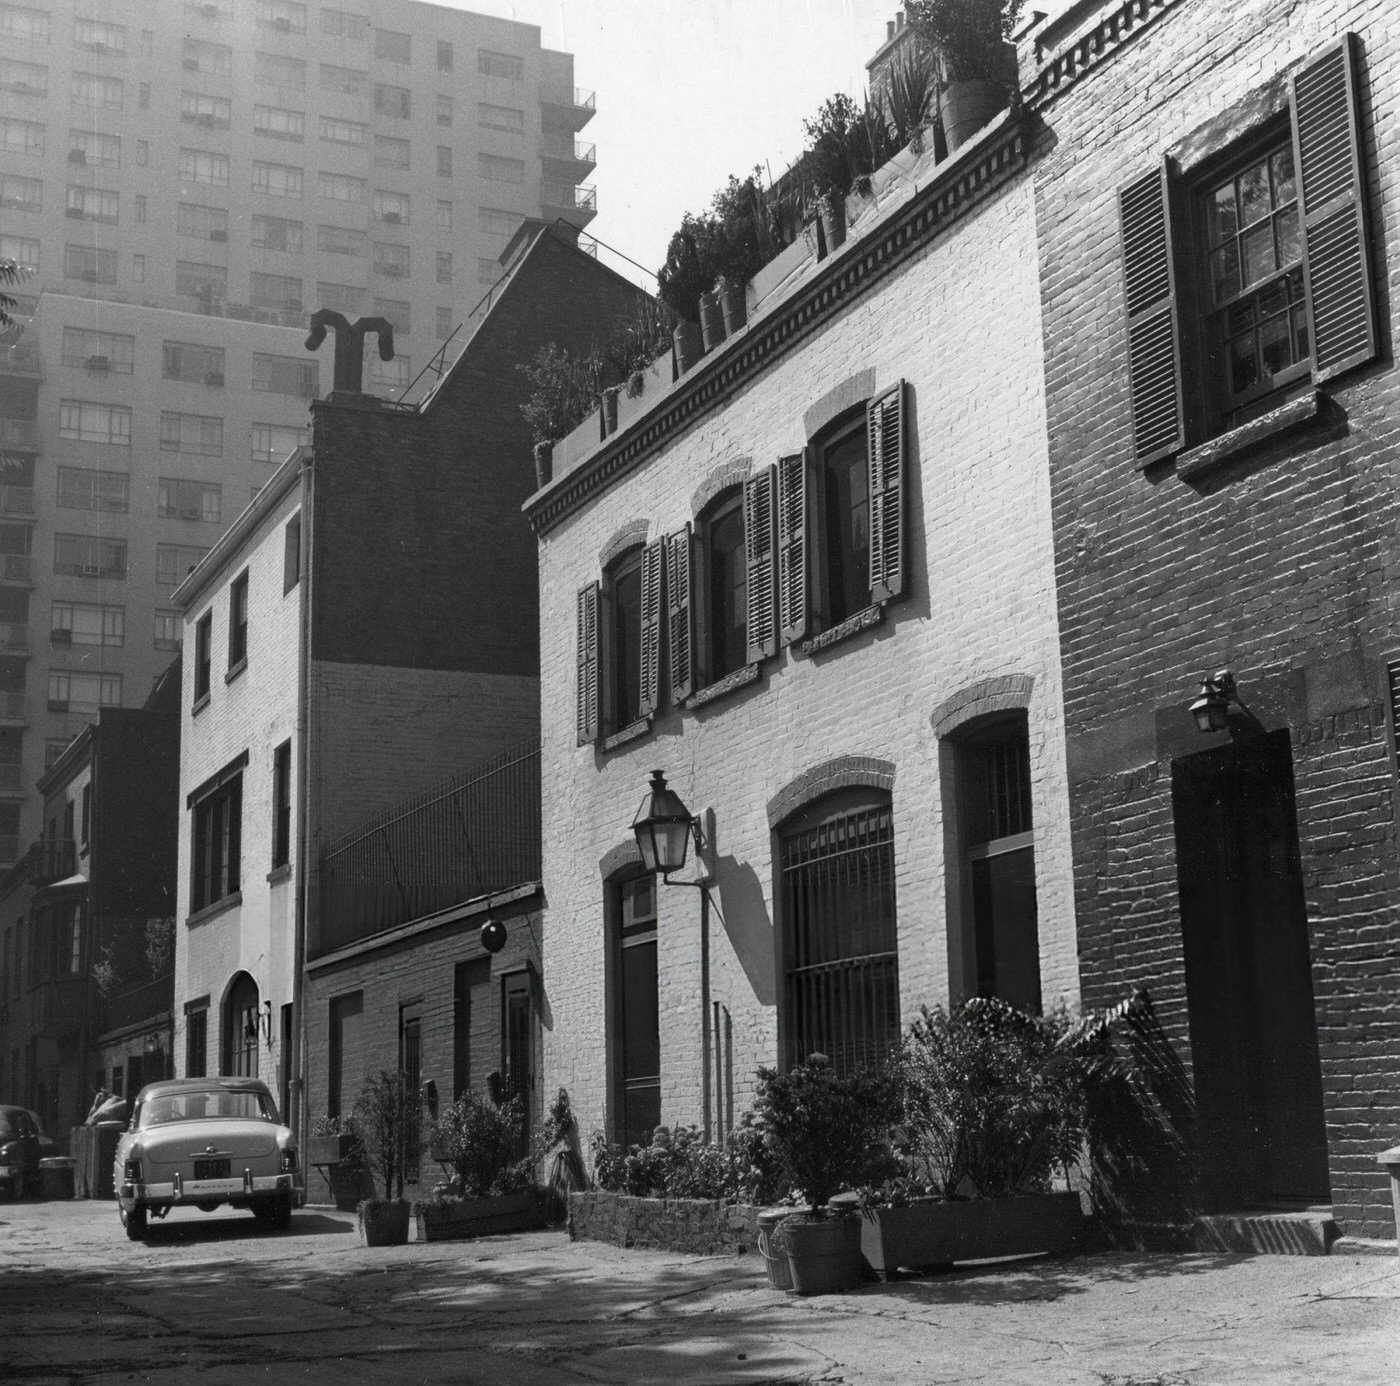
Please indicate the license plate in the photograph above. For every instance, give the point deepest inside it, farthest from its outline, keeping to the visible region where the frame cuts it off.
(211, 1169)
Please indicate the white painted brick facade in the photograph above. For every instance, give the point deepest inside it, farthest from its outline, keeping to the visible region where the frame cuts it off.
(255, 712)
(961, 323)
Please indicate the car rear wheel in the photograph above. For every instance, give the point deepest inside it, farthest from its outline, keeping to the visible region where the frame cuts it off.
(275, 1214)
(134, 1222)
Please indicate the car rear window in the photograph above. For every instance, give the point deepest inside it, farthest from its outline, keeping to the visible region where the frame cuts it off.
(203, 1105)
(7, 1125)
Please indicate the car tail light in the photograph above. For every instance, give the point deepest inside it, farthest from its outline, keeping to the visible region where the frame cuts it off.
(131, 1171)
(289, 1161)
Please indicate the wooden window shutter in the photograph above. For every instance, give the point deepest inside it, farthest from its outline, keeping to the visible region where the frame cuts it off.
(1332, 212)
(793, 542)
(760, 565)
(1150, 303)
(884, 422)
(652, 561)
(680, 613)
(587, 714)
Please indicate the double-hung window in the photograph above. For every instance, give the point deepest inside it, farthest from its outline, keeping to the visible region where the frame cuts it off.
(1249, 276)
(216, 811)
(619, 644)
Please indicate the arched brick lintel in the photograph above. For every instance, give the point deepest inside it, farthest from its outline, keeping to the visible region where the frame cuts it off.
(727, 474)
(841, 772)
(1004, 693)
(617, 859)
(631, 534)
(850, 392)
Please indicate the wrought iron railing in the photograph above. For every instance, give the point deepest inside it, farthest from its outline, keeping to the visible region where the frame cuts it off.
(471, 835)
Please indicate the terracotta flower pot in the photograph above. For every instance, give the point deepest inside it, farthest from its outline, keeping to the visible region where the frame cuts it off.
(383, 1222)
(687, 342)
(608, 406)
(544, 472)
(823, 1253)
(733, 306)
(711, 320)
(834, 226)
(966, 107)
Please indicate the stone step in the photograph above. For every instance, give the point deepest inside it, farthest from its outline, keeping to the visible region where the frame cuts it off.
(1268, 1231)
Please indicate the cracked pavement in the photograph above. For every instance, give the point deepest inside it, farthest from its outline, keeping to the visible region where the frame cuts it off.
(219, 1297)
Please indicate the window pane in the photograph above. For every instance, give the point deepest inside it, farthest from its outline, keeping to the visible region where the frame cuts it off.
(1225, 271)
(1244, 368)
(1290, 249)
(1259, 253)
(1254, 194)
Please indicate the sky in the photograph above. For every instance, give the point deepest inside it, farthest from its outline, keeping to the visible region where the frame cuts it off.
(689, 93)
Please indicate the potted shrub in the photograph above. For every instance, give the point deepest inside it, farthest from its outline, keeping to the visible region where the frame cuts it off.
(994, 1104)
(833, 161)
(743, 243)
(828, 1130)
(687, 273)
(492, 1188)
(386, 1116)
(971, 38)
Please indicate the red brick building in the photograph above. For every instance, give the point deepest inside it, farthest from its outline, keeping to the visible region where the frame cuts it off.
(1216, 194)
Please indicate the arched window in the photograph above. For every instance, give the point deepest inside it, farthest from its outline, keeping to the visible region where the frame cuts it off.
(239, 1051)
(839, 934)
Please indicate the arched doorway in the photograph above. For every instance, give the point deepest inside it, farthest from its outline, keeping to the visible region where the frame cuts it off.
(238, 1052)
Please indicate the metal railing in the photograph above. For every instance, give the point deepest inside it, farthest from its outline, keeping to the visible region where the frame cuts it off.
(564, 148)
(471, 835)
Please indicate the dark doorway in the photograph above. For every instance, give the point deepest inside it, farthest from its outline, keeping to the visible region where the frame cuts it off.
(1258, 1078)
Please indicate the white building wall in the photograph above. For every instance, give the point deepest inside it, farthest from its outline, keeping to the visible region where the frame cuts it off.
(961, 324)
(255, 711)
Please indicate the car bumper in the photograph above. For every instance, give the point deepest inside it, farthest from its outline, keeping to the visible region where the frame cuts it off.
(236, 1191)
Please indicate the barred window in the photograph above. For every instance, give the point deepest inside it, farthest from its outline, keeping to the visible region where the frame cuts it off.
(839, 937)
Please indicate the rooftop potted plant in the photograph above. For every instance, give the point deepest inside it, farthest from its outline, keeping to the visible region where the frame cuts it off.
(828, 1130)
(386, 1118)
(972, 40)
(743, 244)
(688, 273)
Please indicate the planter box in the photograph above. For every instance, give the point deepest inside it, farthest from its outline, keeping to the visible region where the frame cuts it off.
(479, 1217)
(923, 1235)
(328, 1150)
(700, 1226)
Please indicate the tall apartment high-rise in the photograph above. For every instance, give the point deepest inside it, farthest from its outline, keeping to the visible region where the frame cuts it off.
(186, 184)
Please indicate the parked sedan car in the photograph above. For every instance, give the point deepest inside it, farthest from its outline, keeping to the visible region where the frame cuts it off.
(205, 1142)
(19, 1151)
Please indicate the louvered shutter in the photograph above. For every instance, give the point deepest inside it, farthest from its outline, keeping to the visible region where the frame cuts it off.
(884, 425)
(680, 613)
(652, 560)
(587, 714)
(1150, 302)
(793, 543)
(760, 566)
(1332, 212)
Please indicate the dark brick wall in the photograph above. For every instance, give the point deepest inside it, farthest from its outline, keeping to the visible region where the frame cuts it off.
(1280, 566)
(419, 515)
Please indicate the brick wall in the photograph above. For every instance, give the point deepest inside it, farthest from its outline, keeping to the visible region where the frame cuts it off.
(1280, 567)
(959, 321)
(417, 970)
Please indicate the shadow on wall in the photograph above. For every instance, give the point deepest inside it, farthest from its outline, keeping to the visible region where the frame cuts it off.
(742, 910)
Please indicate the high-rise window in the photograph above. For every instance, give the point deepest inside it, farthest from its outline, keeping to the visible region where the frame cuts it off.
(335, 131)
(496, 168)
(203, 166)
(489, 63)
(275, 442)
(444, 267)
(392, 101)
(88, 422)
(84, 262)
(344, 24)
(192, 361)
(87, 623)
(85, 488)
(175, 562)
(200, 434)
(276, 70)
(199, 108)
(93, 149)
(444, 56)
(277, 180)
(284, 16)
(444, 161)
(177, 499)
(277, 233)
(393, 47)
(278, 123)
(99, 351)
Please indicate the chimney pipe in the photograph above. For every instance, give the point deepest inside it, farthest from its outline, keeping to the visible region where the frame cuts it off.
(899, 19)
(889, 30)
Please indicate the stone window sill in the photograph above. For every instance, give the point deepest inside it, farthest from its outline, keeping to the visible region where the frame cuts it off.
(280, 873)
(200, 703)
(850, 627)
(634, 732)
(722, 688)
(1292, 417)
(216, 909)
(236, 669)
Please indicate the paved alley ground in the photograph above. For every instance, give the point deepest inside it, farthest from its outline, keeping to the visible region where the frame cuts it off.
(217, 1300)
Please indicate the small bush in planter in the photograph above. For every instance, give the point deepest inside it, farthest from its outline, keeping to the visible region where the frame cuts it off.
(994, 1100)
(483, 1143)
(829, 1131)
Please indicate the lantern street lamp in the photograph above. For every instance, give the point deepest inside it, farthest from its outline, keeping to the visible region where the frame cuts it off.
(664, 827)
(1212, 708)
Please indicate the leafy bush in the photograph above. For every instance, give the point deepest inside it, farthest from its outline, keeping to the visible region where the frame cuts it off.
(482, 1141)
(829, 1131)
(969, 35)
(680, 1163)
(994, 1099)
